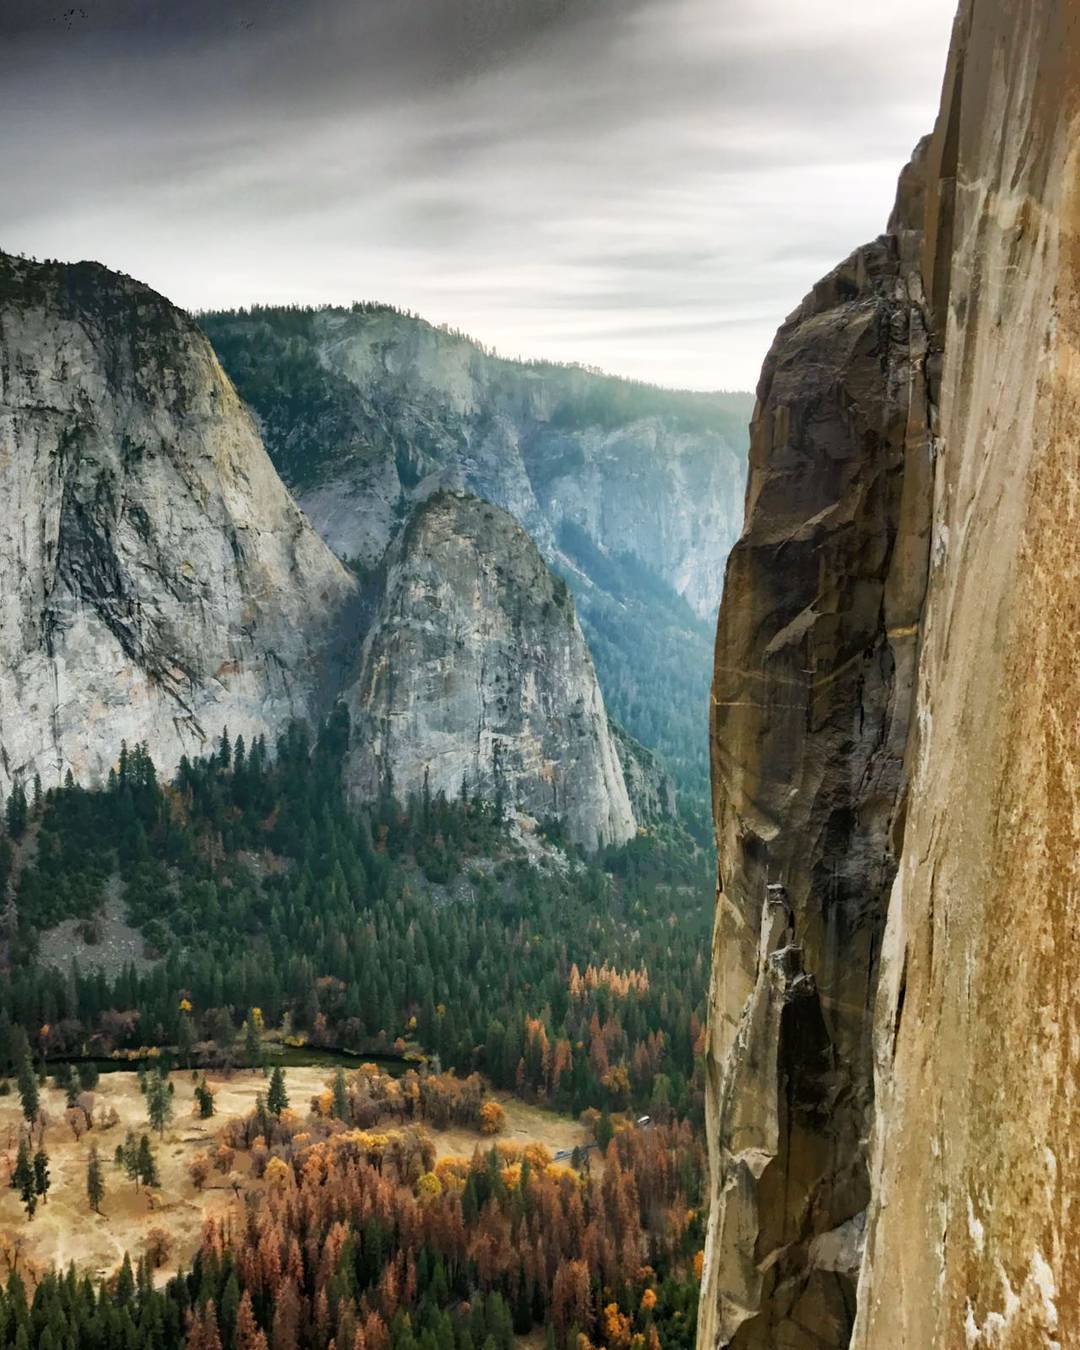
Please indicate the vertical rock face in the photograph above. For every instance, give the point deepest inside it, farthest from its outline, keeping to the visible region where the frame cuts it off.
(814, 663)
(895, 735)
(651, 789)
(157, 582)
(475, 671)
(974, 1233)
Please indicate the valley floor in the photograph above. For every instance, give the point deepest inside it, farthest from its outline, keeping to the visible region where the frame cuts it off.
(66, 1230)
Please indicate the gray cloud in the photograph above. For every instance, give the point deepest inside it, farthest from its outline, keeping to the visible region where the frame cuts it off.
(645, 185)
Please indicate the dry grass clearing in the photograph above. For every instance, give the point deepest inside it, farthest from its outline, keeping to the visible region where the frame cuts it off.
(65, 1229)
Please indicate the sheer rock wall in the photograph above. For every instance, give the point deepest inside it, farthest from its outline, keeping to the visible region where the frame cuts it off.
(892, 1053)
(157, 581)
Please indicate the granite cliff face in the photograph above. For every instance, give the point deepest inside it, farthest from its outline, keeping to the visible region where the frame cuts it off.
(812, 686)
(475, 673)
(157, 582)
(894, 749)
(974, 1232)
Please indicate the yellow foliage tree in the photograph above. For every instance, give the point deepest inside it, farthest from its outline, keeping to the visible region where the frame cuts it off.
(492, 1118)
(279, 1175)
(616, 1327)
(429, 1187)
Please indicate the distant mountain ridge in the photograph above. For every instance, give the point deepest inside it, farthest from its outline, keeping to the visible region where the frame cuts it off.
(633, 493)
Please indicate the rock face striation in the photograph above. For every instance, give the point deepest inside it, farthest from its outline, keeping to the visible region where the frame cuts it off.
(475, 677)
(157, 581)
(892, 1059)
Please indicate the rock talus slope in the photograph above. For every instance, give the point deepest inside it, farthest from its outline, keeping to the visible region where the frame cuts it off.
(475, 671)
(157, 582)
(895, 741)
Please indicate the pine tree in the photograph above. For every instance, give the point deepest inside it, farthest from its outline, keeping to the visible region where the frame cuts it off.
(28, 1087)
(262, 1116)
(95, 1180)
(340, 1106)
(277, 1099)
(124, 1291)
(22, 1179)
(604, 1130)
(16, 812)
(146, 1163)
(159, 1107)
(248, 1336)
(204, 1096)
(211, 1334)
(230, 1305)
(127, 1157)
(185, 1039)
(41, 1175)
(252, 1043)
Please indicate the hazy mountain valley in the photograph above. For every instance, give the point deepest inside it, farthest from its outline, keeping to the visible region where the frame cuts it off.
(633, 494)
(265, 803)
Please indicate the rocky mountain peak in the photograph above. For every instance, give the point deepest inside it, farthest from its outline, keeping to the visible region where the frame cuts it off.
(475, 677)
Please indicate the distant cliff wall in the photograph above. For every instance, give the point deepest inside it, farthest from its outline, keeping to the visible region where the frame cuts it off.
(633, 494)
(158, 584)
(157, 581)
(367, 411)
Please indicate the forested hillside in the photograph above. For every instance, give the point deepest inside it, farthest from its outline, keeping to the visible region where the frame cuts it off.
(431, 928)
(346, 1247)
(255, 884)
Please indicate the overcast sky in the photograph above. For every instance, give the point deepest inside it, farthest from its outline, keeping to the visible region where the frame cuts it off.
(644, 185)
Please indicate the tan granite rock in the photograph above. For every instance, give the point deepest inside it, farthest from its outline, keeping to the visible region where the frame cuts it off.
(898, 751)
